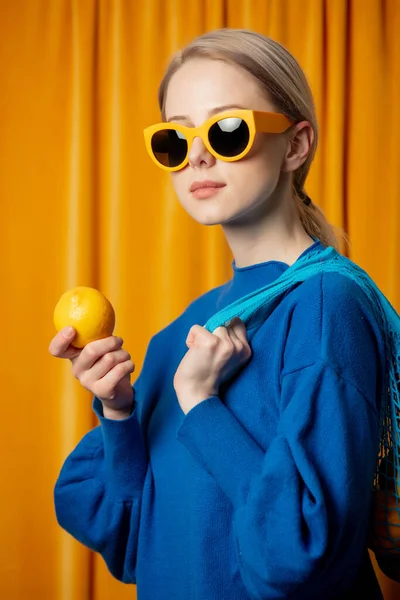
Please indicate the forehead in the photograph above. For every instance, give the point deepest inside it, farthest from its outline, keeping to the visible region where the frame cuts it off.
(201, 84)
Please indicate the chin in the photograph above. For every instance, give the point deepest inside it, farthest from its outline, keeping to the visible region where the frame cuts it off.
(209, 217)
(207, 221)
(209, 212)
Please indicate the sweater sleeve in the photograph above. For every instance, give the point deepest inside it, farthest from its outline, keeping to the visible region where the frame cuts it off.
(99, 489)
(301, 507)
(98, 493)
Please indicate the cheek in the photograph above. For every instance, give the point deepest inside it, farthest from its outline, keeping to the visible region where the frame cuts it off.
(257, 174)
(266, 162)
(181, 184)
(269, 150)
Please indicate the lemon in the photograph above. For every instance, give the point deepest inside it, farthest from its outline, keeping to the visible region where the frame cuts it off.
(88, 311)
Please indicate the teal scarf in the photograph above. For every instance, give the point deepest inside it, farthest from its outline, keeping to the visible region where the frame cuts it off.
(255, 308)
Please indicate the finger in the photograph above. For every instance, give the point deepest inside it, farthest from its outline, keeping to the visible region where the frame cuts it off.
(113, 377)
(238, 328)
(237, 331)
(222, 333)
(105, 364)
(60, 344)
(200, 336)
(226, 347)
(233, 336)
(237, 342)
(93, 351)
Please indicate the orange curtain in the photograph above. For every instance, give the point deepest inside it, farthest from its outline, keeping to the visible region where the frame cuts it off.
(81, 204)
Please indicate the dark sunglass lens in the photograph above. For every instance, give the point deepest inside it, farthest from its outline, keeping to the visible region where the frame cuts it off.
(169, 147)
(229, 137)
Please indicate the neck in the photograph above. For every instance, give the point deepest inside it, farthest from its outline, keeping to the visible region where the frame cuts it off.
(275, 234)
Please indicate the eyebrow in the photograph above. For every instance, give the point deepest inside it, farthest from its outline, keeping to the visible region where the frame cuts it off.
(211, 112)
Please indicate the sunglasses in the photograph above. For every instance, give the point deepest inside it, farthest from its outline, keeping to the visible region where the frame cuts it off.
(228, 136)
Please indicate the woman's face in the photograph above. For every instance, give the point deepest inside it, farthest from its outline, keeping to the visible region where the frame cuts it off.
(199, 89)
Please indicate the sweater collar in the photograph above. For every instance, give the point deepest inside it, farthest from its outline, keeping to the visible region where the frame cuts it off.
(248, 279)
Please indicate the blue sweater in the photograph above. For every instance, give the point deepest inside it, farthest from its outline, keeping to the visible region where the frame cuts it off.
(261, 493)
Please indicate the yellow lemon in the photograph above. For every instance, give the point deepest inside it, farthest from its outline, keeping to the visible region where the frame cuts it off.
(88, 311)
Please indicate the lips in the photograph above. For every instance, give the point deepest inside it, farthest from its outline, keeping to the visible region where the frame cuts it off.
(199, 185)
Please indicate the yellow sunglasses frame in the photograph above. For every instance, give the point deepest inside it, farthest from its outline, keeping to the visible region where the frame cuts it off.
(257, 121)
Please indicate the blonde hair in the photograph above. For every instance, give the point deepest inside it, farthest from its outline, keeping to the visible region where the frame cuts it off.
(283, 79)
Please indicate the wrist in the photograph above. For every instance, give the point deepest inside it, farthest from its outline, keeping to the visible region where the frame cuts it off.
(195, 391)
(121, 408)
(190, 397)
(117, 414)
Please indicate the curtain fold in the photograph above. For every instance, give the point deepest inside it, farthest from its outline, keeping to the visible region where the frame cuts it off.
(81, 204)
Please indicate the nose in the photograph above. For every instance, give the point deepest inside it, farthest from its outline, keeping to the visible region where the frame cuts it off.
(199, 155)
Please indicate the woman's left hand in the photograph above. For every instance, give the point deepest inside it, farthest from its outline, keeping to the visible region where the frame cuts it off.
(212, 359)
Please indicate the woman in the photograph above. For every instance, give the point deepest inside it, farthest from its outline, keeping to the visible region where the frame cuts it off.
(237, 470)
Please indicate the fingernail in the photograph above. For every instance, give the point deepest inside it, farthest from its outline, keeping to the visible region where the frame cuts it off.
(68, 331)
(227, 323)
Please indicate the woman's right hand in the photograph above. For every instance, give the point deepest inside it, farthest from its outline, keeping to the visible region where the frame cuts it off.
(102, 367)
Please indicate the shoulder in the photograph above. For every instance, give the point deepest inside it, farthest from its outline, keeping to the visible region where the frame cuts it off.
(330, 298)
(332, 288)
(332, 319)
(335, 298)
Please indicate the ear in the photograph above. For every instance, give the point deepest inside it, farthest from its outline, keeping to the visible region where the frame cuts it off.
(301, 137)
